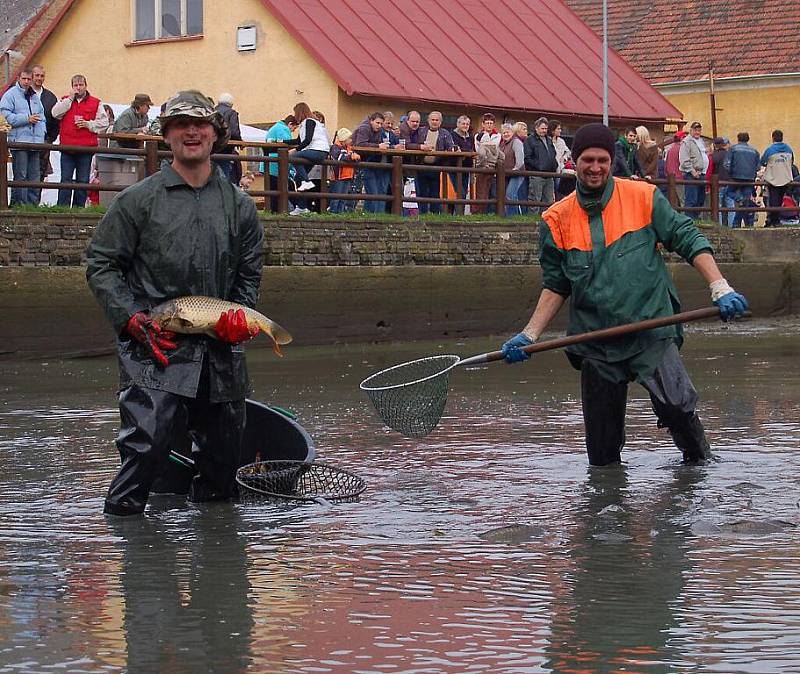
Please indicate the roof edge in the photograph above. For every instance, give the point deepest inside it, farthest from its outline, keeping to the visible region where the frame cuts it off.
(42, 38)
(533, 111)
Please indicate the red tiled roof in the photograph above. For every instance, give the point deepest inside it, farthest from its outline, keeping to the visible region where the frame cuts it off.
(535, 55)
(669, 41)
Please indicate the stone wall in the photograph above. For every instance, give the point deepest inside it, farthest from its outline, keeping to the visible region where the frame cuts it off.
(60, 239)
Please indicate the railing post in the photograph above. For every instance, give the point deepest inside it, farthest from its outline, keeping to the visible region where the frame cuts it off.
(283, 180)
(459, 209)
(714, 197)
(150, 157)
(500, 176)
(323, 187)
(397, 185)
(672, 191)
(3, 170)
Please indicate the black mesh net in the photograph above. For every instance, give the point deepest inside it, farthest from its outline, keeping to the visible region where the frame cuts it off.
(410, 397)
(300, 481)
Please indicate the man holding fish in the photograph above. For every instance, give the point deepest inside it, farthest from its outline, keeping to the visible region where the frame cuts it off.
(600, 248)
(184, 231)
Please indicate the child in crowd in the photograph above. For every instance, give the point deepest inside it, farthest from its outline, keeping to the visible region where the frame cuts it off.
(341, 176)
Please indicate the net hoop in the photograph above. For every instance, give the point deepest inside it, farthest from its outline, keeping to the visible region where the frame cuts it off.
(366, 384)
(410, 397)
(300, 481)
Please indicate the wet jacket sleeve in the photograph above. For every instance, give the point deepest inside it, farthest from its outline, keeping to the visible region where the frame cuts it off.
(677, 231)
(108, 258)
(551, 261)
(247, 281)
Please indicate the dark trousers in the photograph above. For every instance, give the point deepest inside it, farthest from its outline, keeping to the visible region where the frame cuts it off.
(775, 200)
(428, 186)
(376, 181)
(340, 187)
(695, 195)
(148, 420)
(672, 396)
(80, 165)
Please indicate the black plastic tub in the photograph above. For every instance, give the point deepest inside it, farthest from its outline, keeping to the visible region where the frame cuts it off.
(269, 434)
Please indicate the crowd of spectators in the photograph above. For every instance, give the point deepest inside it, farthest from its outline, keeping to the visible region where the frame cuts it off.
(31, 113)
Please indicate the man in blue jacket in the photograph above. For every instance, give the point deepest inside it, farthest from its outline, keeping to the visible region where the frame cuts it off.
(741, 163)
(23, 110)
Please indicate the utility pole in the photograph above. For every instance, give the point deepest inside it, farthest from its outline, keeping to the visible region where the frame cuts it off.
(713, 101)
(605, 62)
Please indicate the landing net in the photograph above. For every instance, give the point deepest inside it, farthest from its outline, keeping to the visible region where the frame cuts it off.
(300, 481)
(410, 397)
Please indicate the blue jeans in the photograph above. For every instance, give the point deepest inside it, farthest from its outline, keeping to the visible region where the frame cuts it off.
(513, 188)
(25, 166)
(428, 186)
(376, 181)
(725, 201)
(315, 156)
(80, 165)
(340, 187)
(460, 183)
(739, 196)
(695, 195)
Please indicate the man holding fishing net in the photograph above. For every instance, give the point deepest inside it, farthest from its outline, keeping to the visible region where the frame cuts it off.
(183, 231)
(599, 248)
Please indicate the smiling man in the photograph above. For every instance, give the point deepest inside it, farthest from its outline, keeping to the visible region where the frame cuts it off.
(599, 248)
(185, 230)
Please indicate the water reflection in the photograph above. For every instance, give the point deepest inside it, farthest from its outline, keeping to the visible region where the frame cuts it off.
(185, 598)
(625, 567)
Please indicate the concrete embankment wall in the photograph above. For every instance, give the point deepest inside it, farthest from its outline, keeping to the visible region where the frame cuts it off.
(351, 282)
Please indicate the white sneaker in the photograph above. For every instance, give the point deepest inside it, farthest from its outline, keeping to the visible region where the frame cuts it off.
(296, 211)
(306, 185)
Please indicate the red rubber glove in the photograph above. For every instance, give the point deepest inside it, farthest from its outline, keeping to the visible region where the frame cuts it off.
(232, 327)
(143, 330)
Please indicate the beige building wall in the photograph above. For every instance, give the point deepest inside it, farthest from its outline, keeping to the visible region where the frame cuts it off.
(266, 83)
(750, 106)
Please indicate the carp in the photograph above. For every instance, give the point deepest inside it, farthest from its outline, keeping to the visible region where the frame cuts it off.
(197, 315)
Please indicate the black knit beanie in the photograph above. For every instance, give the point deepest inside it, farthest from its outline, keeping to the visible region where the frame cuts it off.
(593, 135)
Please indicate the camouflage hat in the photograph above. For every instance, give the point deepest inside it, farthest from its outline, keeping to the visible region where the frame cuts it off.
(192, 103)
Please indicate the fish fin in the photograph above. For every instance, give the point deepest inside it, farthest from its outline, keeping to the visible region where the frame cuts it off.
(277, 349)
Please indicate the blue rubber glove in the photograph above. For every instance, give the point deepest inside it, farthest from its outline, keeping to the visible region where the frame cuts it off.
(512, 350)
(730, 303)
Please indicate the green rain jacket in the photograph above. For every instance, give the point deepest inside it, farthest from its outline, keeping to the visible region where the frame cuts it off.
(604, 255)
(162, 239)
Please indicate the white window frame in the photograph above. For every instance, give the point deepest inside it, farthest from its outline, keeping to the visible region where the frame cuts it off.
(159, 21)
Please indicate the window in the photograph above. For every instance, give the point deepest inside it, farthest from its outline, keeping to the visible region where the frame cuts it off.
(157, 19)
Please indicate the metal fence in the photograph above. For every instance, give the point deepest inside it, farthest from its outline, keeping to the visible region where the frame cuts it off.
(401, 164)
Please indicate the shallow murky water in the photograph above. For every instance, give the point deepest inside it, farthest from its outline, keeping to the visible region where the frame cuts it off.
(487, 547)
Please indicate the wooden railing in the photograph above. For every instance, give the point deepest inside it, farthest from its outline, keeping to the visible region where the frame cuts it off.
(400, 163)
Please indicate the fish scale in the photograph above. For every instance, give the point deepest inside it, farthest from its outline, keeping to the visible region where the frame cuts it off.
(197, 315)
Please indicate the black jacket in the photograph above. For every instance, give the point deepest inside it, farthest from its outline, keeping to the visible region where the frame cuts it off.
(626, 163)
(231, 118)
(540, 156)
(49, 99)
(162, 239)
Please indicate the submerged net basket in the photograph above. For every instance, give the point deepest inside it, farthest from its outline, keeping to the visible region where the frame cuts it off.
(410, 397)
(300, 481)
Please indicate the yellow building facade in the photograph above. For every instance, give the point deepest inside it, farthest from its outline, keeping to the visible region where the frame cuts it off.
(105, 41)
(758, 105)
(95, 38)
